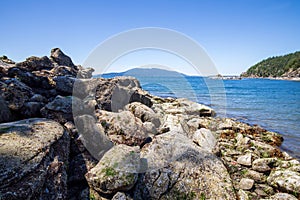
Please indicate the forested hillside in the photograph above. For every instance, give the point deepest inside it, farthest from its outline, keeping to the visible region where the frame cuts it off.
(279, 66)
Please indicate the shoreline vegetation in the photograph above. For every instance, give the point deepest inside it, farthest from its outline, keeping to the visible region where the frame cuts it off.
(66, 135)
(286, 67)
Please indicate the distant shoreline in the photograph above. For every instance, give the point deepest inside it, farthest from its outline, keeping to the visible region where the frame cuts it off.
(274, 78)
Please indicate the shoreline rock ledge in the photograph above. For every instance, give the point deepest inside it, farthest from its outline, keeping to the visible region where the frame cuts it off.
(66, 135)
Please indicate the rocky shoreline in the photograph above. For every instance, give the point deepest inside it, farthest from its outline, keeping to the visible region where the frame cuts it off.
(273, 78)
(64, 135)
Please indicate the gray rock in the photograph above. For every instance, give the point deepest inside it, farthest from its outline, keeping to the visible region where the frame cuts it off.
(79, 165)
(32, 79)
(266, 188)
(150, 128)
(245, 159)
(282, 196)
(63, 71)
(205, 139)
(187, 107)
(121, 196)
(242, 195)
(38, 98)
(114, 94)
(31, 109)
(182, 170)
(144, 113)
(258, 177)
(60, 58)
(123, 127)
(5, 114)
(64, 84)
(286, 179)
(33, 159)
(92, 136)
(60, 109)
(35, 64)
(260, 192)
(246, 183)
(116, 171)
(15, 93)
(85, 73)
(262, 164)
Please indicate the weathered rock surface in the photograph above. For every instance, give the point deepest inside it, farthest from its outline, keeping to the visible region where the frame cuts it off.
(114, 94)
(92, 135)
(282, 196)
(123, 128)
(15, 93)
(285, 179)
(64, 84)
(116, 171)
(179, 158)
(62, 109)
(60, 58)
(205, 139)
(246, 183)
(5, 114)
(35, 64)
(34, 159)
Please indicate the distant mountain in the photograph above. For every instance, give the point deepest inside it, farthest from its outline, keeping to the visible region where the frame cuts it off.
(143, 72)
(280, 66)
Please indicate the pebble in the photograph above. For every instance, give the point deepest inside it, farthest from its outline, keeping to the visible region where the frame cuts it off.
(246, 183)
(245, 159)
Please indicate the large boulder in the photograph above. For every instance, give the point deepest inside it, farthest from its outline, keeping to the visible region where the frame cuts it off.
(116, 171)
(92, 136)
(15, 93)
(64, 84)
(5, 114)
(85, 73)
(144, 113)
(62, 109)
(33, 159)
(114, 94)
(31, 79)
(60, 58)
(176, 168)
(32, 109)
(35, 64)
(123, 127)
(285, 179)
(187, 107)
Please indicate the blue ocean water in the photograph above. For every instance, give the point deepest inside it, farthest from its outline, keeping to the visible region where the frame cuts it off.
(271, 104)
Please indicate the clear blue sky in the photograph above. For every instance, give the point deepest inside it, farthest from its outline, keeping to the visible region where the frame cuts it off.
(235, 34)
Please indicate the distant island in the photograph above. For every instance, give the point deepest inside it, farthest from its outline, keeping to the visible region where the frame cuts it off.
(143, 72)
(279, 67)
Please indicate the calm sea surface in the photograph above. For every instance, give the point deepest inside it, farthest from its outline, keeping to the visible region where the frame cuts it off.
(272, 104)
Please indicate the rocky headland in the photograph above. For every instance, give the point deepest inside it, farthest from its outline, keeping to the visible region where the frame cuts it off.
(66, 135)
(285, 67)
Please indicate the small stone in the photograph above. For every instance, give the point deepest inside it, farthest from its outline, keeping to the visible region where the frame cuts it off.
(242, 195)
(266, 188)
(245, 159)
(256, 176)
(262, 164)
(260, 192)
(239, 138)
(282, 196)
(246, 183)
(287, 180)
(120, 196)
